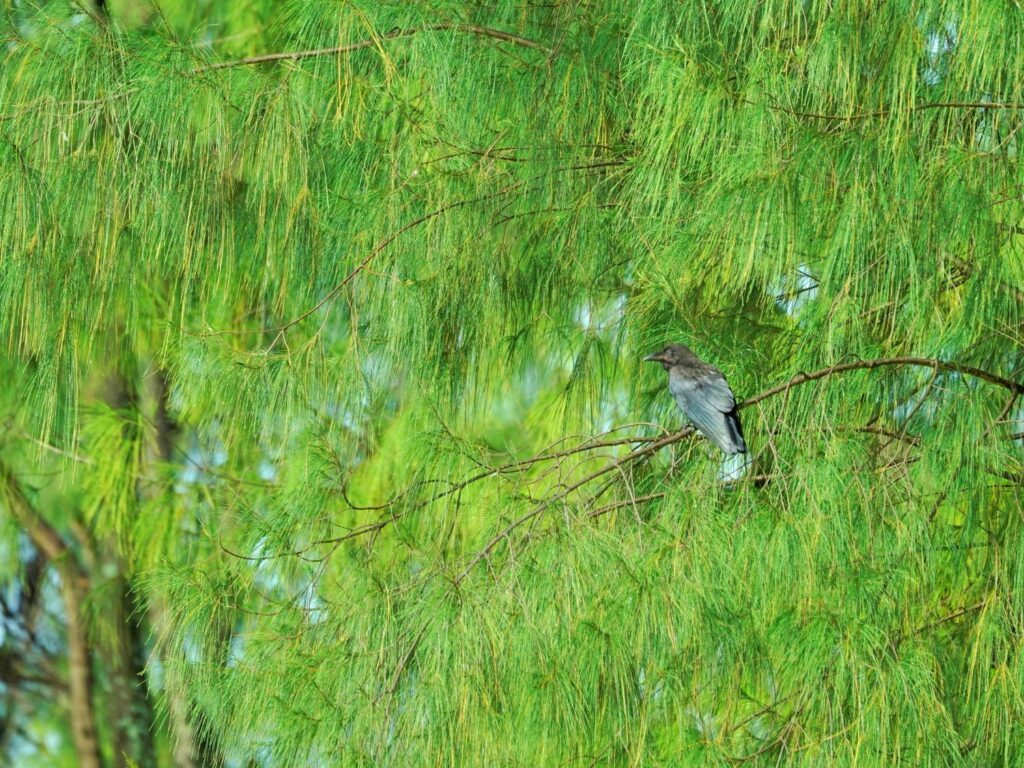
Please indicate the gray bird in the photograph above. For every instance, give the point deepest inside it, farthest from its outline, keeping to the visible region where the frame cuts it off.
(702, 393)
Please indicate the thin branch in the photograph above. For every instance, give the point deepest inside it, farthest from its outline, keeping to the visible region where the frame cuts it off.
(1002, 414)
(890, 110)
(901, 436)
(587, 445)
(371, 42)
(624, 503)
(657, 445)
(949, 617)
(383, 244)
(403, 663)
(472, 29)
(332, 294)
(55, 449)
(923, 362)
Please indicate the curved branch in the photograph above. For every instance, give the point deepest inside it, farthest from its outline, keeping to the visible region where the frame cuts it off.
(333, 294)
(922, 362)
(890, 110)
(657, 445)
(471, 29)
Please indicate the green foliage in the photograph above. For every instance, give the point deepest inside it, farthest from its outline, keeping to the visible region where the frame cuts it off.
(400, 295)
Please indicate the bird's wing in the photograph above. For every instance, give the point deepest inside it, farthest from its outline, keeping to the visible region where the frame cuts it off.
(709, 403)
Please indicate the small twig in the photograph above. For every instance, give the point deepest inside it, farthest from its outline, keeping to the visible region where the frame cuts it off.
(652, 448)
(624, 503)
(1002, 414)
(924, 362)
(54, 449)
(333, 293)
(383, 244)
(948, 617)
(371, 42)
(587, 445)
(890, 110)
(903, 437)
(403, 662)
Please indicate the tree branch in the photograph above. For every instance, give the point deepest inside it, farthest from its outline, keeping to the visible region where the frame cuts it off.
(624, 503)
(383, 244)
(657, 445)
(471, 29)
(889, 110)
(923, 362)
(73, 580)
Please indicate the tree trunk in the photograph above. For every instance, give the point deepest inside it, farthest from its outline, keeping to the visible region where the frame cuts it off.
(83, 719)
(132, 714)
(190, 747)
(73, 586)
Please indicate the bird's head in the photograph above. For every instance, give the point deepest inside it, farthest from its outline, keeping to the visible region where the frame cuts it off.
(671, 355)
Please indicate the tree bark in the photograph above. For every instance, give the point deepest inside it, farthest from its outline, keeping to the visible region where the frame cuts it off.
(73, 586)
(132, 714)
(191, 749)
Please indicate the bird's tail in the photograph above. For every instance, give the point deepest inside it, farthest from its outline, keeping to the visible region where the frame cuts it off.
(736, 442)
(734, 467)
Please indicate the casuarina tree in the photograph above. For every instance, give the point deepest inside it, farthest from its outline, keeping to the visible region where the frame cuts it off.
(327, 438)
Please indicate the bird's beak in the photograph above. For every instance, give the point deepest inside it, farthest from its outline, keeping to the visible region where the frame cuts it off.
(655, 358)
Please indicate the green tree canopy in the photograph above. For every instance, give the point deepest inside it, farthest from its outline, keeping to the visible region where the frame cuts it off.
(326, 436)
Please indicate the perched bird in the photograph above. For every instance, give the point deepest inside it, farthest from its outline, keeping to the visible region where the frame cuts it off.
(702, 393)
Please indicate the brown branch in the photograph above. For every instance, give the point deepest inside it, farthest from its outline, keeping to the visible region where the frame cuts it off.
(472, 29)
(624, 503)
(900, 637)
(588, 445)
(336, 290)
(333, 293)
(901, 436)
(889, 110)
(923, 362)
(657, 445)
(403, 663)
(73, 583)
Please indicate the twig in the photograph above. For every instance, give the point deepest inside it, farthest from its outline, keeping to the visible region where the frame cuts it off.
(924, 362)
(652, 448)
(403, 662)
(948, 617)
(383, 244)
(1002, 414)
(471, 29)
(624, 503)
(332, 294)
(889, 110)
(587, 445)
